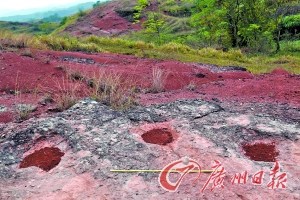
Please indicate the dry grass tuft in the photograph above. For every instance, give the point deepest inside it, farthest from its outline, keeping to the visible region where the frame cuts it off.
(23, 115)
(66, 96)
(159, 77)
(66, 101)
(191, 86)
(24, 111)
(110, 89)
(75, 76)
(27, 53)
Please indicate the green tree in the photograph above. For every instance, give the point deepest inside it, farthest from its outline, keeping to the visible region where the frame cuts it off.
(140, 6)
(233, 9)
(98, 3)
(81, 13)
(276, 18)
(63, 21)
(47, 27)
(244, 23)
(209, 17)
(154, 25)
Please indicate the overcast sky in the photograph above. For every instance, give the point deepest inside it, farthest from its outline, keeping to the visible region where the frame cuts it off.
(13, 7)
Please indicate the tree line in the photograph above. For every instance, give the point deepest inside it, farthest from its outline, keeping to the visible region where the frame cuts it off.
(255, 24)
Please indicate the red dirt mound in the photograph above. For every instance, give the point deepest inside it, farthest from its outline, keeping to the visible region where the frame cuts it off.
(261, 152)
(280, 71)
(158, 136)
(103, 21)
(46, 159)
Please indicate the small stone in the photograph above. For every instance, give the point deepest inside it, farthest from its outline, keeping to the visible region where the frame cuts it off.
(45, 129)
(97, 140)
(186, 160)
(3, 109)
(114, 139)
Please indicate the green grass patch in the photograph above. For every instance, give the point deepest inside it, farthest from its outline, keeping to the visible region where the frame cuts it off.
(172, 51)
(67, 21)
(292, 47)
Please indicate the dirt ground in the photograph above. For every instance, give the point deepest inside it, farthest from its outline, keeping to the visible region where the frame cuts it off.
(207, 113)
(28, 79)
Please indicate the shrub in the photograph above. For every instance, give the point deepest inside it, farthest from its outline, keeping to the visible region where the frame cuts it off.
(235, 55)
(175, 47)
(291, 46)
(232, 54)
(24, 111)
(143, 45)
(209, 52)
(81, 13)
(89, 48)
(291, 21)
(27, 53)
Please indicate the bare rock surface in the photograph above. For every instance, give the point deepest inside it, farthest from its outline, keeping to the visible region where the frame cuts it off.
(96, 139)
(2, 108)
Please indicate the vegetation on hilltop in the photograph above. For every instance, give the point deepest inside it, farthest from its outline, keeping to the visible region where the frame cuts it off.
(256, 26)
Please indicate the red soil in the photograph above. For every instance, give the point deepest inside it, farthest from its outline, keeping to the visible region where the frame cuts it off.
(158, 136)
(6, 117)
(46, 159)
(261, 152)
(103, 20)
(26, 74)
(34, 78)
(274, 87)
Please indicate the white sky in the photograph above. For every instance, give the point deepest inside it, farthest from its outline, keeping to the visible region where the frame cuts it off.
(12, 6)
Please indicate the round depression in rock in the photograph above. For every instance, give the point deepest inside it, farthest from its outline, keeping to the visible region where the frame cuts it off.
(158, 136)
(46, 158)
(265, 152)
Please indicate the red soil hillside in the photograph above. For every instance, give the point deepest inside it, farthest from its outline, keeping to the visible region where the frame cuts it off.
(110, 19)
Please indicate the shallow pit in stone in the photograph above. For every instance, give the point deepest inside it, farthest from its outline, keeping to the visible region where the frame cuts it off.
(265, 152)
(158, 136)
(46, 159)
(200, 75)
